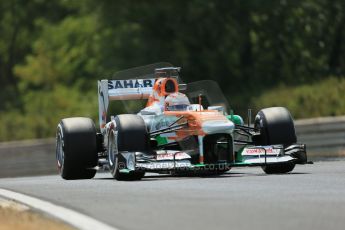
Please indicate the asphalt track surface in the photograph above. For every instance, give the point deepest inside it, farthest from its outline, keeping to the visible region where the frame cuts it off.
(312, 197)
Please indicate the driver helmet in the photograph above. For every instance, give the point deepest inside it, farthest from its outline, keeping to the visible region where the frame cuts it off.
(176, 102)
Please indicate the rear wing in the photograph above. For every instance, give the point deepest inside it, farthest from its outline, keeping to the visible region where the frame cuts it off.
(133, 89)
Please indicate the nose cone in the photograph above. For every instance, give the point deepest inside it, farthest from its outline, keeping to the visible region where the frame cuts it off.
(218, 126)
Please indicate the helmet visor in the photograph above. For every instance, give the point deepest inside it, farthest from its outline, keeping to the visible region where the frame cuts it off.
(177, 107)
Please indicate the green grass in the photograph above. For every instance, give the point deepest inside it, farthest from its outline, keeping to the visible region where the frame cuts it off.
(324, 98)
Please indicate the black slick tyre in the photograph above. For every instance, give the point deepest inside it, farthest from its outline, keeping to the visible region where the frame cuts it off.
(130, 135)
(279, 168)
(76, 148)
(276, 128)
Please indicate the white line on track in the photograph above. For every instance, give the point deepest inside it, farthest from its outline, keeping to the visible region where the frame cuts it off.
(71, 217)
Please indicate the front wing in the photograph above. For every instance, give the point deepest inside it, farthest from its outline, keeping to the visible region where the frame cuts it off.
(172, 160)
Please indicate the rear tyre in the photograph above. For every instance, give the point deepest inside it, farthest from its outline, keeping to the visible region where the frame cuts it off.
(76, 148)
(276, 127)
(131, 136)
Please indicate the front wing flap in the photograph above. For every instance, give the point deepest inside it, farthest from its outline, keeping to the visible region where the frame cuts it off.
(274, 154)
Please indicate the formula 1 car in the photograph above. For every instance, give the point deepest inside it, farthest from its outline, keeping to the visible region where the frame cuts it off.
(184, 129)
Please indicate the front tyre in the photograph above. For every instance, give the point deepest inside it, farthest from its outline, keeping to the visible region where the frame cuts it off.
(130, 135)
(276, 128)
(76, 148)
(279, 168)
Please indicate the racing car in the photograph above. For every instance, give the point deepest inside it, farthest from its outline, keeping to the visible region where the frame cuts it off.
(183, 129)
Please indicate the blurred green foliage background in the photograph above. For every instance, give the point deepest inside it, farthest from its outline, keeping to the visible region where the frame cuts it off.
(262, 52)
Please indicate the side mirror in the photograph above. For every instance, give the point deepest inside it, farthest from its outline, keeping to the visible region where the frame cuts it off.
(182, 87)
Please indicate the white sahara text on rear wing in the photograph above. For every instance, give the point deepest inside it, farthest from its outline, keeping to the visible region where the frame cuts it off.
(132, 89)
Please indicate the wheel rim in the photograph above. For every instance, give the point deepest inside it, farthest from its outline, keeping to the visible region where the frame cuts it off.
(60, 155)
(112, 156)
